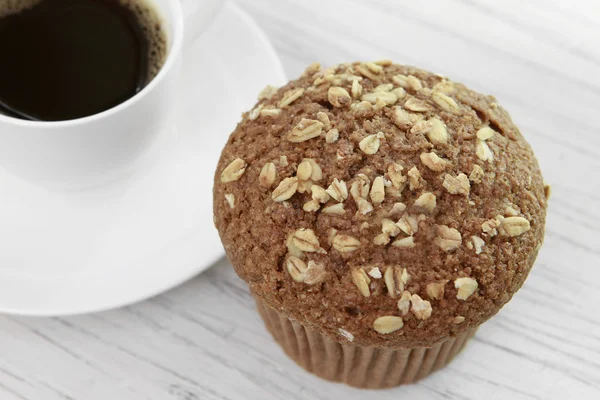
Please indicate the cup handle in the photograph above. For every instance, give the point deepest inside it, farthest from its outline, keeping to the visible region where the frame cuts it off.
(198, 15)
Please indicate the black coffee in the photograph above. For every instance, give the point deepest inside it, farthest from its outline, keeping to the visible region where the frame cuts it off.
(67, 59)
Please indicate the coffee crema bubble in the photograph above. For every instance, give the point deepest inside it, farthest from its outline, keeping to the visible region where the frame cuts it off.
(68, 59)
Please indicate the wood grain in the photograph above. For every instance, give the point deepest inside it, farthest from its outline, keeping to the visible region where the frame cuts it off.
(204, 340)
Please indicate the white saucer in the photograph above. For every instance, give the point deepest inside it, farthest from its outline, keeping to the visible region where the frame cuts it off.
(72, 253)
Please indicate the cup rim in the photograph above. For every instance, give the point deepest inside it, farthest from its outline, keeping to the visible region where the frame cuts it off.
(176, 46)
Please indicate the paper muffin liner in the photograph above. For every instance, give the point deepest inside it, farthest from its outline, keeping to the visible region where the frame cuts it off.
(358, 366)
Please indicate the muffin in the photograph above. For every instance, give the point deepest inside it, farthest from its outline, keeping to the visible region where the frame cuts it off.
(379, 214)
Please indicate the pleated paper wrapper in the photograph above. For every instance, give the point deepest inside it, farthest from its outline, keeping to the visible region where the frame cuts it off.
(358, 366)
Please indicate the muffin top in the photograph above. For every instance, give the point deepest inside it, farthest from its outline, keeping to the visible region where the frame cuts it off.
(380, 204)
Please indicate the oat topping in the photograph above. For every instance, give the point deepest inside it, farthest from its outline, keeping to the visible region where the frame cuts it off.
(384, 87)
(324, 119)
(230, 198)
(483, 151)
(373, 67)
(435, 130)
(425, 203)
(307, 129)
(267, 175)
(382, 239)
(315, 273)
(304, 170)
(364, 207)
(414, 178)
(399, 92)
(408, 82)
(356, 89)
(290, 96)
(414, 104)
(371, 143)
(338, 190)
(395, 174)
(365, 71)
(448, 239)
(408, 242)
(513, 226)
(326, 75)
(283, 161)
(458, 319)
(312, 69)
(379, 104)
(286, 189)
(296, 268)
(377, 193)
(267, 93)
(388, 324)
(322, 79)
(346, 334)
(478, 244)
(305, 186)
(383, 63)
(466, 287)
(316, 172)
(445, 102)
(270, 112)
(408, 224)
(339, 97)
(394, 191)
(420, 308)
(405, 277)
(395, 279)
(446, 87)
(375, 272)
(255, 113)
(404, 303)
(490, 226)
(336, 209)
(311, 206)
(331, 233)
(435, 290)
(457, 185)
(389, 227)
(332, 136)
(477, 174)
(362, 108)
(292, 249)
(319, 194)
(485, 133)
(233, 171)
(306, 240)
(433, 161)
(388, 98)
(510, 211)
(362, 281)
(345, 243)
(397, 209)
(404, 119)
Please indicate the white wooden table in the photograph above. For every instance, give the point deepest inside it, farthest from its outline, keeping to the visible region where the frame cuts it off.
(205, 341)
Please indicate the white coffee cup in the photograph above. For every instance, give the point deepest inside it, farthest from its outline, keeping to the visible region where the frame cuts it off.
(90, 150)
